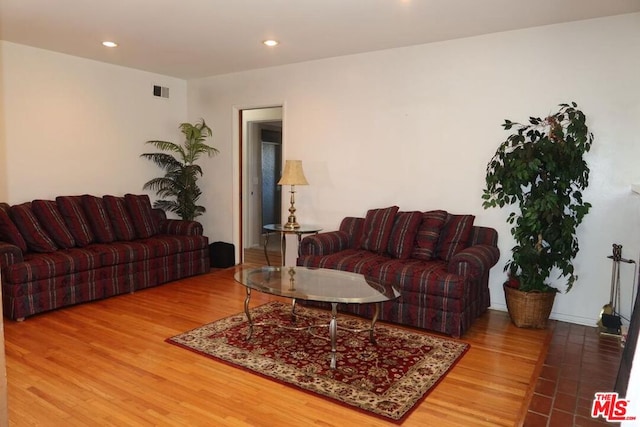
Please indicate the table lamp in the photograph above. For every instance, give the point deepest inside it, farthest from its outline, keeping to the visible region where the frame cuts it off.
(292, 176)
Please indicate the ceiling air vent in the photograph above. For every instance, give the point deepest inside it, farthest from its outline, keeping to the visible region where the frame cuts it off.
(160, 91)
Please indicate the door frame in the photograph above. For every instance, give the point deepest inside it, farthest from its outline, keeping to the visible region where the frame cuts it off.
(243, 116)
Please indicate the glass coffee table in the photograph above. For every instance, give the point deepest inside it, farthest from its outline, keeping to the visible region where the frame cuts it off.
(319, 284)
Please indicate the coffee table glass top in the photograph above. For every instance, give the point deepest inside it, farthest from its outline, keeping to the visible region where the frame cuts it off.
(316, 284)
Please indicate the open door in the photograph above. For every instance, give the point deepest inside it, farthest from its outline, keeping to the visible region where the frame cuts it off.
(271, 164)
(261, 162)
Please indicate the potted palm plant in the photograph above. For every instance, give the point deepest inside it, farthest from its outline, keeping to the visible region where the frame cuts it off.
(540, 169)
(178, 187)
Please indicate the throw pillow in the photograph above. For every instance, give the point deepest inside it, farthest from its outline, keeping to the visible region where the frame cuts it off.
(34, 234)
(454, 236)
(70, 208)
(98, 218)
(120, 218)
(377, 228)
(403, 234)
(9, 232)
(51, 219)
(427, 235)
(142, 214)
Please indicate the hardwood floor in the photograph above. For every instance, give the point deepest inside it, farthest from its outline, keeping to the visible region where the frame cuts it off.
(256, 256)
(106, 363)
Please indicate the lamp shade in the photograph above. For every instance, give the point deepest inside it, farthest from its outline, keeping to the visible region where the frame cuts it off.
(293, 174)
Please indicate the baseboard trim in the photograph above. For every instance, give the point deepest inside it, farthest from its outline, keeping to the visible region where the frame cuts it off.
(579, 320)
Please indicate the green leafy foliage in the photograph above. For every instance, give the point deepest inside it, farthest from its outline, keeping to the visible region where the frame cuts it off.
(540, 168)
(178, 187)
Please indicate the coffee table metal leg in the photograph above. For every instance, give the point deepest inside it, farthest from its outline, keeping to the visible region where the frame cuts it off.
(376, 313)
(266, 243)
(333, 330)
(246, 312)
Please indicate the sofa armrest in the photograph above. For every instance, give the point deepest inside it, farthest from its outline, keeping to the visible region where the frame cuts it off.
(475, 261)
(176, 226)
(180, 227)
(9, 254)
(483, 236)
(353, 227)
(325, 243)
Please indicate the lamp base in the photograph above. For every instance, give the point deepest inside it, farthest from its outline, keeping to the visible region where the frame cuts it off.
(292, 223)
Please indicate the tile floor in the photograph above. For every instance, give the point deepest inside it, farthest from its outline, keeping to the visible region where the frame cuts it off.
(579, 363)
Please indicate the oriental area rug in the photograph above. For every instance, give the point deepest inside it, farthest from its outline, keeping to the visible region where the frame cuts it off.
(386, 379)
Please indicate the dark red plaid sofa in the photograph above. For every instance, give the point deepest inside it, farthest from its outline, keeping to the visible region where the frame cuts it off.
(75, 249)
(439, 261)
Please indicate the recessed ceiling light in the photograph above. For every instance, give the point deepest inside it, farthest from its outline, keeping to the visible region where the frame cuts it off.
(271, 43)
(110, 44)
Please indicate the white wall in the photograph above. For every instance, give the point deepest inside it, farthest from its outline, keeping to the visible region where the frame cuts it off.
(416, 127)
(75, 126)
(3, 156)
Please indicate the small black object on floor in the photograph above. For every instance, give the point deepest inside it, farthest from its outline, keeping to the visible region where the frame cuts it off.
(222, 255)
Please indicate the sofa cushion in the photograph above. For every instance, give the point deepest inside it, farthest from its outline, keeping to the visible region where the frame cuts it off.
(421, 277)
(377, 228)
(44, 266)
(70, 208)
(428, 233)
(34, 234)
(116, 253)
(52, 221)
(98, 218)
(454, 235)
(9, 232)
(139, 207)
(354, 260)
(120, 218)
(403, 234)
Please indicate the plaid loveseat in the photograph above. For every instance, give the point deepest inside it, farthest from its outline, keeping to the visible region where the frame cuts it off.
(74, 249)
(439, 261)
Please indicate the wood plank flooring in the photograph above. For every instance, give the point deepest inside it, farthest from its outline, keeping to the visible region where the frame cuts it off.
(256, 256)
(106, 363)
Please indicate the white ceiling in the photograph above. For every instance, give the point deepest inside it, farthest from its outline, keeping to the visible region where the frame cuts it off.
(198, 38)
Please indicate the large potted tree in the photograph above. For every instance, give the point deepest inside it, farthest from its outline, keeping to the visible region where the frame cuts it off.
(178, 187)
(540, 172)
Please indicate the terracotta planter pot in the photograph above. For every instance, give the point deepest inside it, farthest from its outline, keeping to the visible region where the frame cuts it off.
(529, 309)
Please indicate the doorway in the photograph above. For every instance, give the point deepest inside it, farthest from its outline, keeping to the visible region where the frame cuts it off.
(261, 160)
(271, 161)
